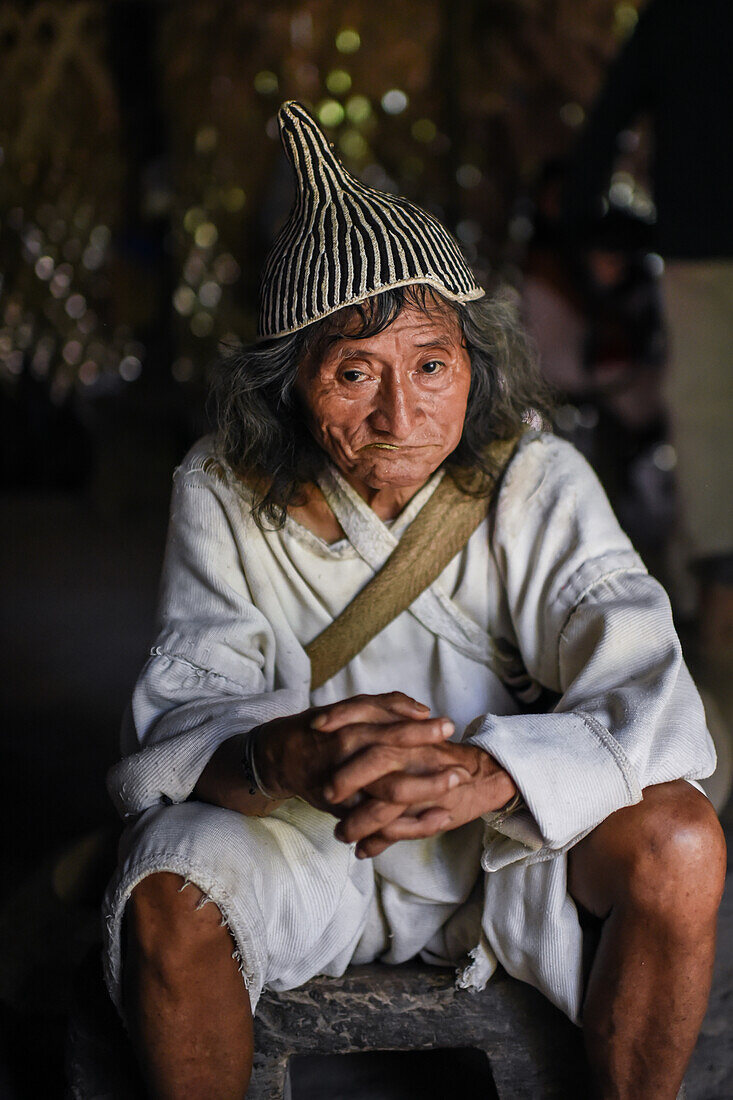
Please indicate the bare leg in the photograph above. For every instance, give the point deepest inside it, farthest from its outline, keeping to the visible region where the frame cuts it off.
(655, 873)
(185, 1000)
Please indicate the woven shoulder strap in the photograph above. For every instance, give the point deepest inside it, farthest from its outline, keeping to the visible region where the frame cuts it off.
(441, 528)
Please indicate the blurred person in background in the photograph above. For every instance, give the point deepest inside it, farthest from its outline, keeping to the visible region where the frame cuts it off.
(676, 68)
(592, 304)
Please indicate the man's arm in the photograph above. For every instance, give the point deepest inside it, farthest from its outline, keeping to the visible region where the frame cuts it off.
(206, 680)
(298, 755)
(596, 630)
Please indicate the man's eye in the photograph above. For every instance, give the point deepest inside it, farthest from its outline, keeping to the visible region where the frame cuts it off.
(352, 375)
(432, 366)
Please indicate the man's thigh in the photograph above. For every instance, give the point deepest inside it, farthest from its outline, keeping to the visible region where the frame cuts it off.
(294, 898)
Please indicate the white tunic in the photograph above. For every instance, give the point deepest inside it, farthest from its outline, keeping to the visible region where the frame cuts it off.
(544, 640)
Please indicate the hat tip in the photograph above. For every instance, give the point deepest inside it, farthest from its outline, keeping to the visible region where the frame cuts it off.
(290, 108)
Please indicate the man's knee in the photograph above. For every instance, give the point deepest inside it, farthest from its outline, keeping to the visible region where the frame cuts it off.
(677, 863)
(666, 856)
(170, 921)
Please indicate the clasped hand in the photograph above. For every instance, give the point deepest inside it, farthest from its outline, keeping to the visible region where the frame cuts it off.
(383, 766)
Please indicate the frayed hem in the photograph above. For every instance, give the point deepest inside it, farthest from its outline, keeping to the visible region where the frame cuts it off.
(205, 899)
(113, 912)
(480, 970)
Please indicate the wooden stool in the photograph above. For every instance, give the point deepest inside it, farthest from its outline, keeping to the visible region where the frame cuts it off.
(519, 1045)
(511, 1044)
(530, 1049)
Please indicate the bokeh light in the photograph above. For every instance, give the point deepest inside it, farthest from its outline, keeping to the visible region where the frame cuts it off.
(100, 237)
(330, 113)
(206, 140)
(193, 218)
(202, 324)
(210, 294)
(664, 457)
(424, 130)
(468, 176)
(130, 368)
(182, 369)
(184, 300)
(338, 82)
(88, 372)
(226, 268)
(72, 352)
(573, 115)
(206, 235)
(234, 199)
(76, 306)
(348, 40)
(395, 101)
(353, 145)
(358, 109)
(44, 267)
(266, 82)
(625, 19)
(468, 231)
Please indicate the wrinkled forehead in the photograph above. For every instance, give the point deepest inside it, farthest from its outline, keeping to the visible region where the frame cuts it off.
(428, 319)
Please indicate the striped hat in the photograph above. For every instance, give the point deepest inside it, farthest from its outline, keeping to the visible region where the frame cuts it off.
(343, 241)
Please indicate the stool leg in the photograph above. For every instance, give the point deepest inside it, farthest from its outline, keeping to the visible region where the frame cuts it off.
(270, 1078)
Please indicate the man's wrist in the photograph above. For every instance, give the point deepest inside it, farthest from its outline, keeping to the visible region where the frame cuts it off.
(251, 766)
(515, 802)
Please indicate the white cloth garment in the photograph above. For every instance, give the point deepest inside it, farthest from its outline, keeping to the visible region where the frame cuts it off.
(544, 640)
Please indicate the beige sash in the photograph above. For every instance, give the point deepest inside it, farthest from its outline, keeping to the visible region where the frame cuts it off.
(440, 529)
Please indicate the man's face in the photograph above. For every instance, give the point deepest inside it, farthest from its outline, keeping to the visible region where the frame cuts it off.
(388, 409)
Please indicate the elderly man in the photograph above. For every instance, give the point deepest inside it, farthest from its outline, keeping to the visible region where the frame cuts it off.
(413, 691)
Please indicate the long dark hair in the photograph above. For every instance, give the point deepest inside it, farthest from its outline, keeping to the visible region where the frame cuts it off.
(262, 428)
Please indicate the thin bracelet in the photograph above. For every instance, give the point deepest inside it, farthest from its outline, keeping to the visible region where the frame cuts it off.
(512, 806)
(249, 768)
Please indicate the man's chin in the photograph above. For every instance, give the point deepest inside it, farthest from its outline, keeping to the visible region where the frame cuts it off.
(383, 469)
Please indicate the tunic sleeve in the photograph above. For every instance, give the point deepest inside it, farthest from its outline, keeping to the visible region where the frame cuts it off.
(210, 674)
(597, 631)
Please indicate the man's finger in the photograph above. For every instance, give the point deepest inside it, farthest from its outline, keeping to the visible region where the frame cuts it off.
(369, 708)
(405, 734)
(370, 817)
(403, 828)
(378, 760)
(364, 769)
(372, 846)
(409, 790)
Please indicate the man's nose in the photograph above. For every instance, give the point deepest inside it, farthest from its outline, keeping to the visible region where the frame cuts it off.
(397, 408)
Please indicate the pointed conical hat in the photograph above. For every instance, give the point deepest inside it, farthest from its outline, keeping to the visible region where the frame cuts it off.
(344, 242)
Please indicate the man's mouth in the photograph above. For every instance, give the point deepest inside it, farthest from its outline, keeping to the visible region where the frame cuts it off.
(396, 446)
